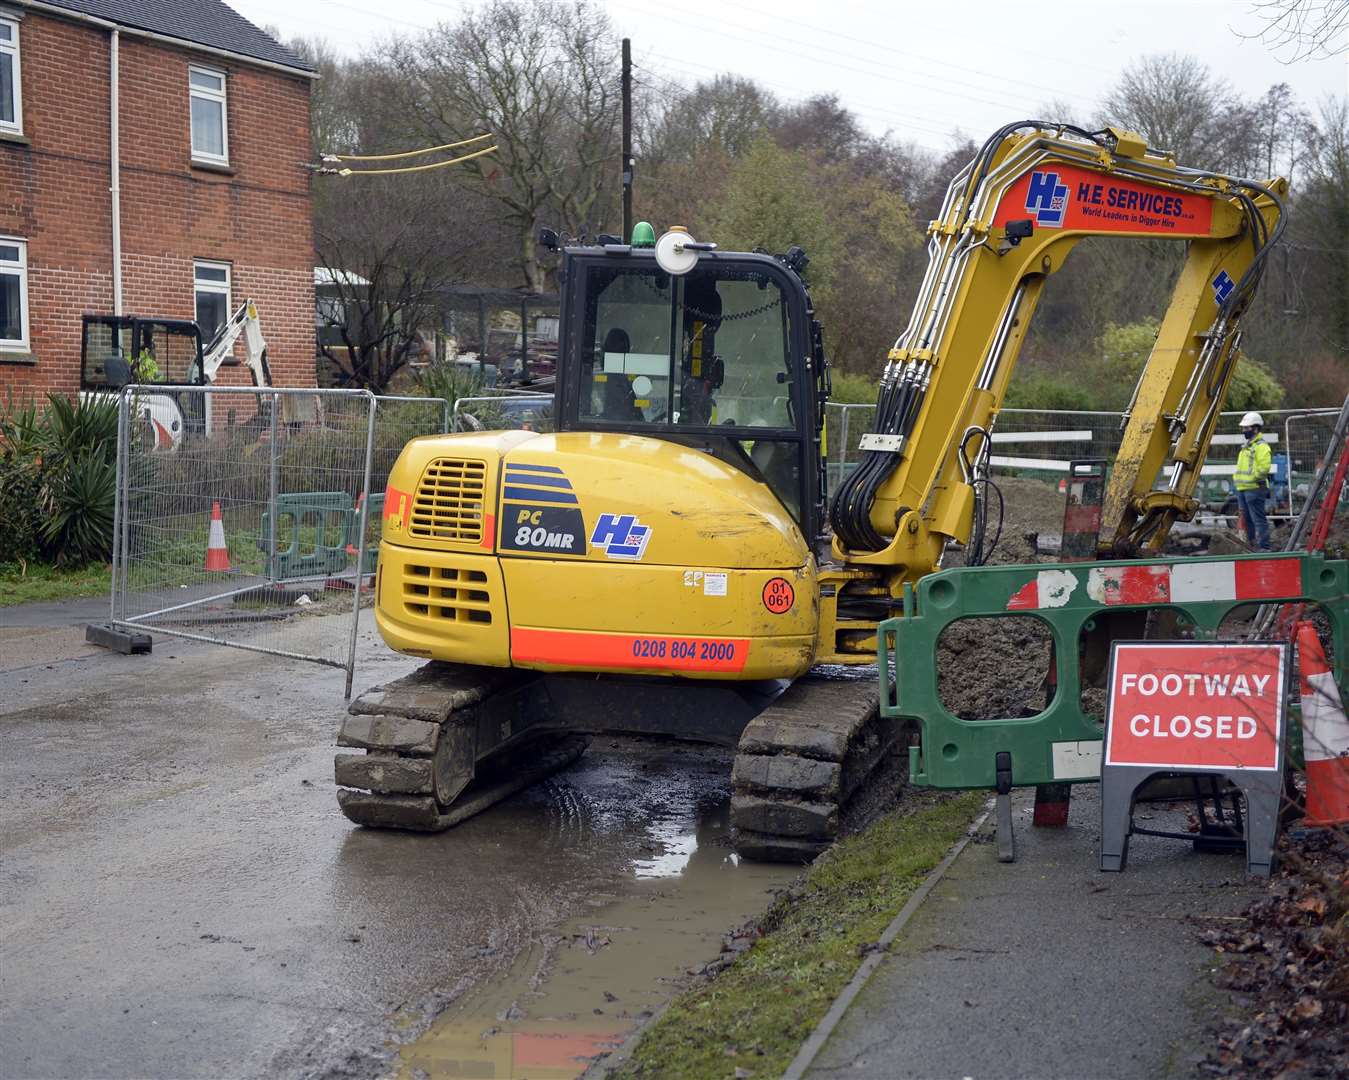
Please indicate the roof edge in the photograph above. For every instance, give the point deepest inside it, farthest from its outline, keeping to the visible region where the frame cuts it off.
(169, 39)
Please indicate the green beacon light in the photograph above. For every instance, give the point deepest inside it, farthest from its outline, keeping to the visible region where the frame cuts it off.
(643, 235)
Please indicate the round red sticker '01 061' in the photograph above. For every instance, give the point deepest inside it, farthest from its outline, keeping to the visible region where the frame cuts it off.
(778, 595)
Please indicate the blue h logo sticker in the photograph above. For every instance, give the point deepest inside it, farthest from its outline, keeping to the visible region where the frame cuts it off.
(1222, 287)
(1047, 199)
(621, 536)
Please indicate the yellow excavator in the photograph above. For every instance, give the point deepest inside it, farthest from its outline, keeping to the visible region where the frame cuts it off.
(668, 561)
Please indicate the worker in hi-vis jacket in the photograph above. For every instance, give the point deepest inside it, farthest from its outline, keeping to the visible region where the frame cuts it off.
(1252, 480)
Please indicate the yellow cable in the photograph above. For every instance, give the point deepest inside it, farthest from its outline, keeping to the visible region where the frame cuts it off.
(405, 153)
(414, 168)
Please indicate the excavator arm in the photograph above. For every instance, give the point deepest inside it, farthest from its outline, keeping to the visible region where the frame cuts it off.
(244, 321)
(1009, 220)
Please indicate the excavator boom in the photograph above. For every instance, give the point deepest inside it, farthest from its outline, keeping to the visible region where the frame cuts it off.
(1009, 220)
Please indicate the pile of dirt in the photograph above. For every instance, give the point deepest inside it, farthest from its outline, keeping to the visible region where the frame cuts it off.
(1288, 967)
(989, 669)
(1030, 508)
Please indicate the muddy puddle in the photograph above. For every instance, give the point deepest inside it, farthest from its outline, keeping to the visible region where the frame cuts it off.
(578, 992)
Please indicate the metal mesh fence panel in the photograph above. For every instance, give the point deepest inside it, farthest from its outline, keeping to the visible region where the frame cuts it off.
(503, 411)
(253, 528)
(1305, 436)
(1040, 444)
(844, 426)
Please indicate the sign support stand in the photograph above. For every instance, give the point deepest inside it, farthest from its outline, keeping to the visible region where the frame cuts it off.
(1165, 716)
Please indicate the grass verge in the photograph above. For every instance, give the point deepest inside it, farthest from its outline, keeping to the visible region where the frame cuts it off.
(758, 1012)
(27, 583)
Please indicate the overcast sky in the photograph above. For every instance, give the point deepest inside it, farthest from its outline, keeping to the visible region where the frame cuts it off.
(919, 70)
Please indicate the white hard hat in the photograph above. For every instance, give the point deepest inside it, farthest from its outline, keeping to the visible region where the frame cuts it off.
(1252, 419)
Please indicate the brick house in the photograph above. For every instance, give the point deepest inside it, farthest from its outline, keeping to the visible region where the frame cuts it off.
(187, 197)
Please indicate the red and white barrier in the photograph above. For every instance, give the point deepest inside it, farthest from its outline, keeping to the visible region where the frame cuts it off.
(1164, 583)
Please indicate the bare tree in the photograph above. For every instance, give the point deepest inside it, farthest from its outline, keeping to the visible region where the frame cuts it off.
(1324, 228)
(544, 79)
(1277, 133)
(1298, 30)
(385, 272)
(728, 111)
(1175, 101)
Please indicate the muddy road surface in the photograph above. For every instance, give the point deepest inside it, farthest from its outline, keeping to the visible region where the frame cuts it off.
(179, 895)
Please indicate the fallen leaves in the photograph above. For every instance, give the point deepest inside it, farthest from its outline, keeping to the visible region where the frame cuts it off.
(1290, 955)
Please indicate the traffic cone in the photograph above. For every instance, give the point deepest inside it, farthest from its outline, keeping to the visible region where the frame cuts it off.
(356, 511)
(217, 554)
(1325, 734)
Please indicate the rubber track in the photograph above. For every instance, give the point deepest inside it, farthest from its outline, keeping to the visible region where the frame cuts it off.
(400, 726)
(801, 761)
(526, 766)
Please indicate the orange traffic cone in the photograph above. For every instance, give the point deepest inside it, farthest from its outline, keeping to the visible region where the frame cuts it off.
(217, 554)
(351, 548)
(1325, 734)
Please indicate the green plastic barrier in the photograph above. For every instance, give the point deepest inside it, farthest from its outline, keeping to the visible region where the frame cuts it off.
(374, 525)
(325, 517)
(1061, 744)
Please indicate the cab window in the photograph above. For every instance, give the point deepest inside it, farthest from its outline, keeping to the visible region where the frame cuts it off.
(704, 350)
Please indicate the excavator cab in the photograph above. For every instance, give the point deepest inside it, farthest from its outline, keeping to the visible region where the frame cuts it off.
(119, 349)
(725, 357)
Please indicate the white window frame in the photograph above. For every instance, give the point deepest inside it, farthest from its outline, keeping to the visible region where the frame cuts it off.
(19, 269)
(12, 47)
(219, 288)
(220, 97)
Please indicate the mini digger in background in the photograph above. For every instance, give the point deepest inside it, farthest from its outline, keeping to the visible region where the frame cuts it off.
(669, 561)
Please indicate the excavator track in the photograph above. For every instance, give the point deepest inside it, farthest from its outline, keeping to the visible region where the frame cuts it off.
(445, 743)
(802, 762)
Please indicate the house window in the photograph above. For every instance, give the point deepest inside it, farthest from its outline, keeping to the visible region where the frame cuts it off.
(11, 90)
(212, 283)
(13, 294)
(210, 134)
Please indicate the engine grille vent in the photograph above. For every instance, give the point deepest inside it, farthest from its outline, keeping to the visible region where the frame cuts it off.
(449, 501)
(448, 592)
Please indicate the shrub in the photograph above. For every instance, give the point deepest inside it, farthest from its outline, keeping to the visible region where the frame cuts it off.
(20, 519)
(1041, 390)
(1253, 386)
(1124, 350)
(78, 503)
(59, 484)
(848, 389)
(449, 381)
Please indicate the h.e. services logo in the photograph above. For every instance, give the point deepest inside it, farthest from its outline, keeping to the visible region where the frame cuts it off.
(1047, 199)
(621, 536)
(1223, 286)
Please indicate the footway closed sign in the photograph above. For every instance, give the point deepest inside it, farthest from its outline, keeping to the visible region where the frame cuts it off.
(1196, 705)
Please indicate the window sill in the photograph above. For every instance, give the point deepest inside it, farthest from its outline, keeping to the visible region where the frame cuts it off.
(17, 138)
(17, 356)
(213, 167)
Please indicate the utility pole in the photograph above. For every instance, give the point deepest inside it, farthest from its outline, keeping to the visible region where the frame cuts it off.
(627, 140)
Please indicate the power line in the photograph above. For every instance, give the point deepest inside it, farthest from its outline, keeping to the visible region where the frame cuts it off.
(874, 111)
(885, 71)
(1021, 51)
(895, 119)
